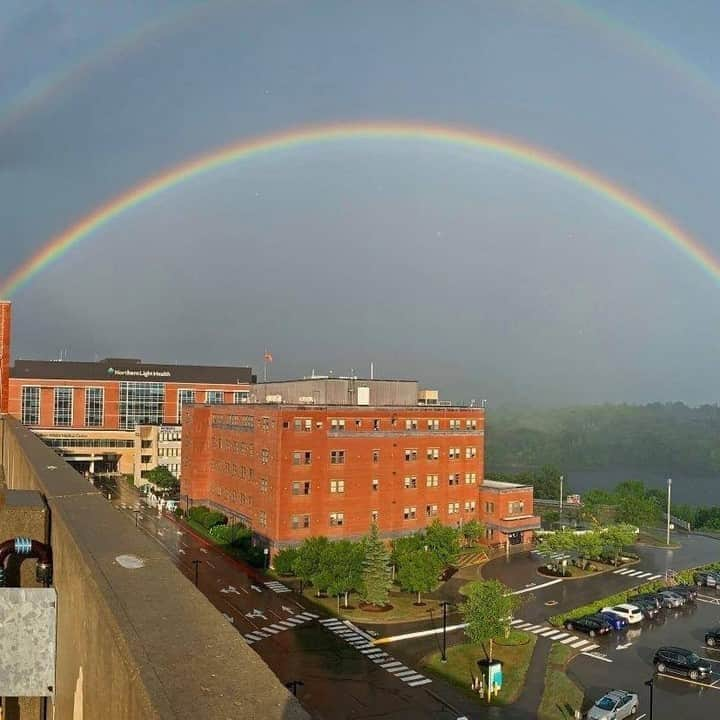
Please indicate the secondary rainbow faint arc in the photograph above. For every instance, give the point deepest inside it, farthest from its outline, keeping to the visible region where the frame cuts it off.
(308, 135)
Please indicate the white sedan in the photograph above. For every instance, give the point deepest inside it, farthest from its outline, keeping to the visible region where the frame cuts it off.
(631, 613)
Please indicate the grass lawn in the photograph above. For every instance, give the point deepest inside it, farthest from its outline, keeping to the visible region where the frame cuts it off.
(562, 696)
(403, 608)
(654, 539)
(461, 665)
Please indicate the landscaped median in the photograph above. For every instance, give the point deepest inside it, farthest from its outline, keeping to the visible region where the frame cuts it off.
(561, 696)
(461, 667)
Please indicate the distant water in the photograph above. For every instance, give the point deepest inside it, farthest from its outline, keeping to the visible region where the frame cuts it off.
(685, 488)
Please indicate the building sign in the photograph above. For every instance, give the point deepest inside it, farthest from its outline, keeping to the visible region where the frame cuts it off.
(573, 500)
(139, 373)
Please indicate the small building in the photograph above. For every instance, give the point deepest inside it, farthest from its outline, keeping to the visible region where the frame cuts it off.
(157, 445)
(506, 510)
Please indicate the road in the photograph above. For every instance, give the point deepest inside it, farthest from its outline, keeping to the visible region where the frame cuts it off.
(342, 674)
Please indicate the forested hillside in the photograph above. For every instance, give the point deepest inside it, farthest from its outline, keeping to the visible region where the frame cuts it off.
(659, 436)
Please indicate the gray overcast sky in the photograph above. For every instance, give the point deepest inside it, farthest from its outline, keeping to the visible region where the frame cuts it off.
(473, 273)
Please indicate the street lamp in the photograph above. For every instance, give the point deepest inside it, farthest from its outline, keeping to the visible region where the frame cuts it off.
(668, 510)
(443, 657)
(650, 684)
(196, 563)
(137, 512)
(561, 496)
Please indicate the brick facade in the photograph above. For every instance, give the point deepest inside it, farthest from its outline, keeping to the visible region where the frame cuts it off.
(5, 336)
(291, 472)
(507, 512)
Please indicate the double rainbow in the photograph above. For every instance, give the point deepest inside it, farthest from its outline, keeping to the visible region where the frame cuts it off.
(309, 135)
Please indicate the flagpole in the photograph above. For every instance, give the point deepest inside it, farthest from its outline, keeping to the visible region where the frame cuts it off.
(265, 366)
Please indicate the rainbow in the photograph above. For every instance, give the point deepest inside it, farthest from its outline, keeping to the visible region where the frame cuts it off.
(309, 135)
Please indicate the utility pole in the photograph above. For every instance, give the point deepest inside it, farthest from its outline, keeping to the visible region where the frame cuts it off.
(561, 497)
(668, 510)
(650, 684)
(443, 657)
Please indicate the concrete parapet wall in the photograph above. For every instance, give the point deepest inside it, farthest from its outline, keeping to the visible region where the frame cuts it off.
(133, 644)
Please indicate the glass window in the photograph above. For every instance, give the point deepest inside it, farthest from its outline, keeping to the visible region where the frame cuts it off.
(300, 521)
(433, 453)
(302, 457)
(376, 456)
(409, 513)
(410, 482)
(337, 519)
(453, 508)
(470, 478)
(240, 396)
(411, 454)
(470, 452)
(489, 507)
(375, 484)
(471, 424)
(337, 457)
(516, 507)
(469, 506)
(454, 479)
(31, 405)
(374, 515)
(185, 397)
(337, 486)
(262, 518)
(337, 424)
(431, 510)
(453, 453)
(141, 403)
(214, 397)
(433, 424)
(300, 488)
(431, 481)
(62, 412)
(454, 424)
(94, 402)
(411, 424)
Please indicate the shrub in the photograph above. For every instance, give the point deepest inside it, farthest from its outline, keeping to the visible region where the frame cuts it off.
(235, 535)
(198, 512)
(285, 560)
(178, 512)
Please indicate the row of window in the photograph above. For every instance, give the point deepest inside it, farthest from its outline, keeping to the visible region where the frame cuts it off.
(140, 403)
(169, 452)
(302, 487)
(411, 424)
(516, 507)
(337, 457)
(337, 519)
(88, 443)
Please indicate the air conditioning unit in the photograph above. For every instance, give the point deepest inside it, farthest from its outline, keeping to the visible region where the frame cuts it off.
(273, 398)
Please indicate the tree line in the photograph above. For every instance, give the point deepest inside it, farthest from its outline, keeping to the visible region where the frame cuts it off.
(658, 436)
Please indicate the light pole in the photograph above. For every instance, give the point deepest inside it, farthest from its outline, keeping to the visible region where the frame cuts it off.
(196, 563)
(137, 512)
(650, 684)
(668, 510)
(443, 657)
(561, 496)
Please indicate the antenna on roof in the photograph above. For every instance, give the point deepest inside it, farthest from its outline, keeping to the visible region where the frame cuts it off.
(372, 370)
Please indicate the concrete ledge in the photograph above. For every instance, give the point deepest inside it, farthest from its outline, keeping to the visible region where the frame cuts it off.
(133, 643)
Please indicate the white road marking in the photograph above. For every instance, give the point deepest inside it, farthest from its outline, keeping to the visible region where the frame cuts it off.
(568, 640)
(413, 677)
(524, 626)
(397, 670)
(655, 577)
(596, 656)
(541, 629)
(207, 562)
(536, 587)
(405, 673)
(550, 634)
(517, 621)
(644, 575)
(203, 550)
(420, 633)
(591, 647)
(560, 636)
(579, 644)
(423, 682)
(229, 618)
(392, 664)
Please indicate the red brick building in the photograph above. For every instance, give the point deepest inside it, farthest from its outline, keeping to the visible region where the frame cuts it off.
(5, 335)
(506, 510)
(291, 471)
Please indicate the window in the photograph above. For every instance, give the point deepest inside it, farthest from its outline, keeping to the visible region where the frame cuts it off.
(410, 482)
(337, 486)
(409, 513)
(185, 397)
(375, 485)
(358, 423)
(300, 521)
(94, 401)
(453, 508)
(454, 479)
(303, 425)
(469, 506)
(264, 456)
(431, 510)
(454, 424)
(411, 424)
(489, 532)
(240, 397)
(453, 453)
(374, 515)
(62, 412)
(471, 424)
(302, 457)
(337, 424)
(431, 481)
(433, 424)
(470, 453)
(141, 403)
(263, 485)
(146, 444)
(516, 507)
(337, 457)
(376, 424)
(214, 397)
(262, 518)
(470, 478)
(411, 454)
(489, 507)
(337, 519)
(433, 453)
(31, 405)
(300, 488)
(376, 456)
(145, 459)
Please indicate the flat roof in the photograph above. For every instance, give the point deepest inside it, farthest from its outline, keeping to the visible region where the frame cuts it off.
(497, 485)
(336, 377)
(121, 369)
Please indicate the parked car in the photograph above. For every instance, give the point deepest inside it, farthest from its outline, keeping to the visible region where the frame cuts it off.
(630, 613)
(689, 592)
(589, 624)
(712, 637)
(616, 705)
(682, 662)
(618, 623)
(671, 599)
(648, 607)
(707, 579)
(654, 598)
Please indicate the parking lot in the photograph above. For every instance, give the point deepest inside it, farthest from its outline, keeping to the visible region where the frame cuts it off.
(625, 661)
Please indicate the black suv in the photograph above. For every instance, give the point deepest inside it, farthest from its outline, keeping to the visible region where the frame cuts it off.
(712, 638)
(681, 662)
(591, 625)
(689, 592)
(653, 598)
(648, 607)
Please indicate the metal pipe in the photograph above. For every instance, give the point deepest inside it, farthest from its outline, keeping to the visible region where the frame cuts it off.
(24, 548)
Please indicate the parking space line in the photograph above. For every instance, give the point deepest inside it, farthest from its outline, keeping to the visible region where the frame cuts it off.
(688, 681)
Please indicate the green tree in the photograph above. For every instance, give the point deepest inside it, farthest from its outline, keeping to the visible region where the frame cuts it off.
(343, 568)
(546, 483)
(488, 611)
(403, 546)
(637, 509)
(310, 558)
(589, 545)
(284, 561)
(616, 537)
(471, 532)
(376, 569)
(162, 478)
(419, 572)
(443, 541)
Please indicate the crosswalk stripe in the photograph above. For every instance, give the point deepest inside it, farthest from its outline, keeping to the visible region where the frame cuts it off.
(278, 627)
(249, 642)
(253, 636)
(634, 573)
(517, 621)
(261, 634)
(568, 640)
(551, 631)
(579, 644)
(286, 623)
(420, 682)
(621, 572)
(312, 615)
(271, 630)
(392, 664)
(655, 577)
(533, 628)
(397, 670)
(524, 626)
(590, 647)
(405, 673)
(542, 628)
(307, 616)
(560, 636)
(644, 575)
(367, 651)
(411, 678)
